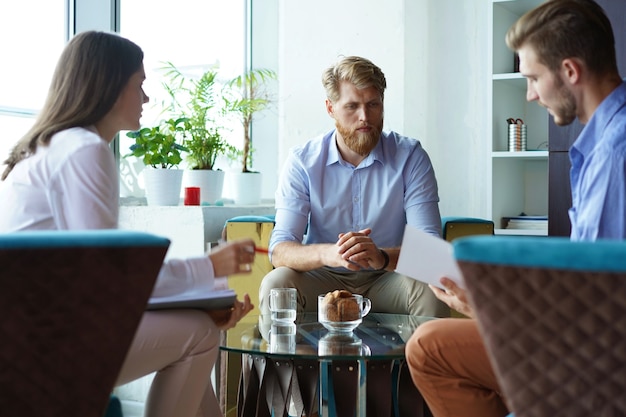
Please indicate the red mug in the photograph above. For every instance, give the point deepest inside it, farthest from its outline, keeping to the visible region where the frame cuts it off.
(192, 196)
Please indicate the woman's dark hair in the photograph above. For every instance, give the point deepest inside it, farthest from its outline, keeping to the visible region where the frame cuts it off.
(91, 73)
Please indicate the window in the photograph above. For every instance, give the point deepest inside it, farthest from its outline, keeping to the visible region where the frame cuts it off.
(193, 35)
(31, 43)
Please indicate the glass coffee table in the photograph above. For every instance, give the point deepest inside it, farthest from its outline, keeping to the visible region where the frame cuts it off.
(302, 368)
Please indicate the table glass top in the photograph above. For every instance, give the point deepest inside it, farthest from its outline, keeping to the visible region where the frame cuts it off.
(379, 336)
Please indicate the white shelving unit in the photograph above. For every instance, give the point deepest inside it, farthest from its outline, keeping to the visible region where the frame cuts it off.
(519, 180)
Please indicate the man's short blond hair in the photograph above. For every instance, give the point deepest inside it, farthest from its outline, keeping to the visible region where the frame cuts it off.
(359, 71)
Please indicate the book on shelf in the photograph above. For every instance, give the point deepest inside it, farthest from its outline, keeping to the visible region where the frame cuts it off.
(526, 222)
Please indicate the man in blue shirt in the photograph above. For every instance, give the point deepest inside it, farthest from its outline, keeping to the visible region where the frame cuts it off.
(567, 54)
(344, 198)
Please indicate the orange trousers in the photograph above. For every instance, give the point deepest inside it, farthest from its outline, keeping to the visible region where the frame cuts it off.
(450, 367)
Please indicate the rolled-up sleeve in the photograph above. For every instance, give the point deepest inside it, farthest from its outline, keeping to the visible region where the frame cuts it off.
(292, 202)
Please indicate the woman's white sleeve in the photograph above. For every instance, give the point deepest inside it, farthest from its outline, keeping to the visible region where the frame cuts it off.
(181, 275)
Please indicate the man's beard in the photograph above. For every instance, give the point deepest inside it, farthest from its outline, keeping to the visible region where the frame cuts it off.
(565, 113)
(361, 143)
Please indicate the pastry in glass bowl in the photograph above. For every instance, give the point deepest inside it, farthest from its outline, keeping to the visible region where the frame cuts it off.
(342, 311)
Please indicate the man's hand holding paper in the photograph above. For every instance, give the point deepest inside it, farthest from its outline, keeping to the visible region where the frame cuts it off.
(431, 260)
(427, 258)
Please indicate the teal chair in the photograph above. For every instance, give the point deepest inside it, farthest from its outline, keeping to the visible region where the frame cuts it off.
(552, 313)
(70, 303)
(259, 229)
(114, 409)
(453, 227)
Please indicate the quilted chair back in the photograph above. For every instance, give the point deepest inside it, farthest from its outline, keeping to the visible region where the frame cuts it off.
(553, 316)
(70, 303)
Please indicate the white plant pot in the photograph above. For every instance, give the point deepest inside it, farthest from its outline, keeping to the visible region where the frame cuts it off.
(211, 183)
(246, 187)
(162, 186)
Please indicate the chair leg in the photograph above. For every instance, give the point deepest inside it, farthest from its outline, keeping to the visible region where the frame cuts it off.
(114, 409)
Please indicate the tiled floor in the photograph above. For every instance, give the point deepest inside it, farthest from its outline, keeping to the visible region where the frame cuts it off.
(132, 408)
(133, 394)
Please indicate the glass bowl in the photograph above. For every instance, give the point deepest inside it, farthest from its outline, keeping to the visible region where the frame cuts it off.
(340, 326)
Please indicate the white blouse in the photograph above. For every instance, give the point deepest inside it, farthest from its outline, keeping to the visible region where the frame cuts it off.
(73, 184)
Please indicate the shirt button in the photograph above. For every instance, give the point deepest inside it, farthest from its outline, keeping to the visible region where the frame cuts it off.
(356, 199)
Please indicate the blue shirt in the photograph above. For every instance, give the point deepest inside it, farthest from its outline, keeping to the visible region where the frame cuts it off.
(394, 185)
(598, 173)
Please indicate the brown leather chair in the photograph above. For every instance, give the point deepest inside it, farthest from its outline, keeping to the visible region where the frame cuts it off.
(70, 303)
(552, 313)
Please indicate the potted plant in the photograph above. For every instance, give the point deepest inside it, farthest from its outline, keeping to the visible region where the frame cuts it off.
(160, 149)
(195, 99)
(244, 97)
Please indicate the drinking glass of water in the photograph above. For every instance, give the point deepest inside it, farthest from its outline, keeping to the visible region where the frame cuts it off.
(283, 302)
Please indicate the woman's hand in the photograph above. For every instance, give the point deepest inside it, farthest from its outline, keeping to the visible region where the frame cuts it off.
(454, 296)
(233, 257)
(227, 318)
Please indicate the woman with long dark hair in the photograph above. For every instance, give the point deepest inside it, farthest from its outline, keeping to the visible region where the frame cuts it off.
(62, 175)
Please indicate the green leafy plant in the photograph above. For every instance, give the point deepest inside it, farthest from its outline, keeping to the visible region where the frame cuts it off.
(160, 146)
(195, 99)
(245, 96)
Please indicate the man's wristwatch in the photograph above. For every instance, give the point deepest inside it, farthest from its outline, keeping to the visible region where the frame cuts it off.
(386, 256)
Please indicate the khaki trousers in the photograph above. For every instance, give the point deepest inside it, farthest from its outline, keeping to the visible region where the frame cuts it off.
(389, 292)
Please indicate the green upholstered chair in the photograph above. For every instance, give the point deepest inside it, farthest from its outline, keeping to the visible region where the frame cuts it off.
(453, 227)
(259, 229)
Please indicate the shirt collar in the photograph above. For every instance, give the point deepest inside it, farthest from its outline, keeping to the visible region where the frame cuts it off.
(376, 154)
(592, 132)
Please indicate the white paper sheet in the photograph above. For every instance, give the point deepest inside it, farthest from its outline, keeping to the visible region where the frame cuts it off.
(427, 258)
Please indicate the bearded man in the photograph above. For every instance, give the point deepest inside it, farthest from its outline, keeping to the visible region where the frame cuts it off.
(343, 201)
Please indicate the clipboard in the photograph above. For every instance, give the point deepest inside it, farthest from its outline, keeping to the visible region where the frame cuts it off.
(213, 300)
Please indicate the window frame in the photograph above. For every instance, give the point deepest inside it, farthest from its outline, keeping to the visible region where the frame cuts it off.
(260, 40)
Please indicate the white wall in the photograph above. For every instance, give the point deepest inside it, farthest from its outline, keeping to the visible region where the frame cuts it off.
(311, 40)
(434, 55)
(456, 102)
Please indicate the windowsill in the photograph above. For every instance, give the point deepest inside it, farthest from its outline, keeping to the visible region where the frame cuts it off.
(141, 201)
(192, 229)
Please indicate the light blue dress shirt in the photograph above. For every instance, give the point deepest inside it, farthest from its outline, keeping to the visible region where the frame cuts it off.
(598, 173)
(394, 185)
